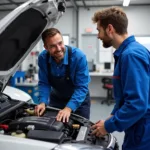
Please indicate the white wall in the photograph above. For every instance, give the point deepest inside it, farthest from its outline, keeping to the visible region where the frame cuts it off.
(67, 25)
(138, 17)
(139, 21)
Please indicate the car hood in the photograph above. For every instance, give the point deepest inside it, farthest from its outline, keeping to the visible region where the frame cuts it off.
(20, 31)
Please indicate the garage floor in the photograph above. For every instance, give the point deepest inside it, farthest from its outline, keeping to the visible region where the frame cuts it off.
(102, 111)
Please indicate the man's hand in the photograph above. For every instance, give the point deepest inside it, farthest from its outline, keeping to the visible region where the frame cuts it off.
(99, 129)
(109, 117)
(39, 109)
(64, 114)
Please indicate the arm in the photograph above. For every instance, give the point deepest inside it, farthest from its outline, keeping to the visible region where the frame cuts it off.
(44, 85)
(81, 80)
(115, 109)
(134, 80)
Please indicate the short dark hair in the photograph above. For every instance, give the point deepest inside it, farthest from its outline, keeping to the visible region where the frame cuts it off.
(49, 33)
(114, 16)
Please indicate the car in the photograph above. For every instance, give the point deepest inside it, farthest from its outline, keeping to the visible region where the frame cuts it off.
(17, 94)
(20, 128)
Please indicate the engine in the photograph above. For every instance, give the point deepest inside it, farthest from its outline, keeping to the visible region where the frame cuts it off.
(18, 119)
(40, 128)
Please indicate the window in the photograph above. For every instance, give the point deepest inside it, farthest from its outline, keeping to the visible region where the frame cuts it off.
(66, 39)
(144, 40)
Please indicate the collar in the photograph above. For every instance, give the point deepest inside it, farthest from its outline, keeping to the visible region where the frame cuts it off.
(123, 45)
(64, 60)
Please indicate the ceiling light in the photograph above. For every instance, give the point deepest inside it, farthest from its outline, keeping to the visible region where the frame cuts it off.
(126, 2)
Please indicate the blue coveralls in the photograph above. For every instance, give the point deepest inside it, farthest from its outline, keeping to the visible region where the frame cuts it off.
(131, 82)
(63, 88)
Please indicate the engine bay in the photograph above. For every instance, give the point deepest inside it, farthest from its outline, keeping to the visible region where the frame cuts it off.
(17, 119)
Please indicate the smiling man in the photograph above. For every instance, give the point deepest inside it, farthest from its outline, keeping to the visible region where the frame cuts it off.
(63, 78)
(131, 81)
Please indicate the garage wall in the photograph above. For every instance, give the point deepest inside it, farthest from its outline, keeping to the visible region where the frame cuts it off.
(138, 16)
(67, 25)
(138, 21)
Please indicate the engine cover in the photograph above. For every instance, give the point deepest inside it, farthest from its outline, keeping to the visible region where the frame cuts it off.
(39, 123)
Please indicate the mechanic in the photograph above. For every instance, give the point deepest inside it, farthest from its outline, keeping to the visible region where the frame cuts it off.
(63, 78)
(131, 81)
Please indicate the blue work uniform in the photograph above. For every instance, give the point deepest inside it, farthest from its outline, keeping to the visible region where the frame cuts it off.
(65, 84)
(131, 81)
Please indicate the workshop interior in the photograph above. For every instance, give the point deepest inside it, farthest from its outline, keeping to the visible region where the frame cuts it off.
(21, 25)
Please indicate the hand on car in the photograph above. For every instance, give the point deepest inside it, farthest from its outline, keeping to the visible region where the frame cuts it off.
(99, 129)
(64, 114)
(39, 109)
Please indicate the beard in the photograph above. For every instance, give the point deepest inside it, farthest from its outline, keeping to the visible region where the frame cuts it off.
(107, 44)
(58, 55)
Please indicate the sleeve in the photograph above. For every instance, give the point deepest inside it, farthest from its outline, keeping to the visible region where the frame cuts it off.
(43, 84)
(135, 83)
(81, 82)
(114, 109)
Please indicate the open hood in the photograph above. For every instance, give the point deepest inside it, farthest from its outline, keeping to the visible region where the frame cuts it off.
(20, 31)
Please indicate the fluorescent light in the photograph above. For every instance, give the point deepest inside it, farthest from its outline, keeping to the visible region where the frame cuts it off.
(126, 2)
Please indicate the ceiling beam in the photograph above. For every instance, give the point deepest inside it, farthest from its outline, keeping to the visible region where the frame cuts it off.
(74, 4)
(116, 5)
(84, 4)
(91, 6)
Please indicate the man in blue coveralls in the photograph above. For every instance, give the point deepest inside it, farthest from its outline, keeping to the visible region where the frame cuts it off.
(63, 78)
(131, 81)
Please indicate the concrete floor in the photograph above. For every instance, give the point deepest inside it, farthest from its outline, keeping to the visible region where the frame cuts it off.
(102, 111)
